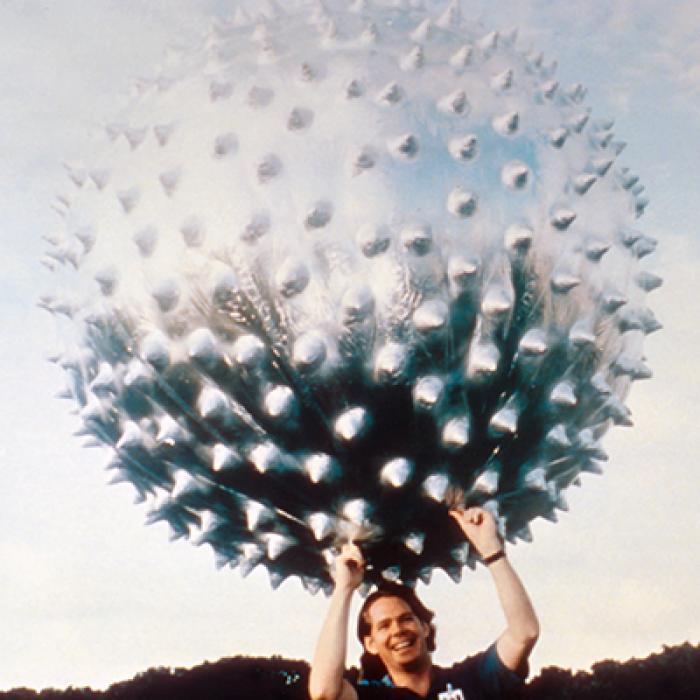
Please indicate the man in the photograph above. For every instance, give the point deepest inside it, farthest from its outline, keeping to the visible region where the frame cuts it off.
(396, 630)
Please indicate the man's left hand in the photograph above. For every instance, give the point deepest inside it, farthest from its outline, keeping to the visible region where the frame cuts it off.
(479, 527)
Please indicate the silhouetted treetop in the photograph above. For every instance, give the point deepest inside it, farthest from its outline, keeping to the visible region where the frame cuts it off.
(672, 674)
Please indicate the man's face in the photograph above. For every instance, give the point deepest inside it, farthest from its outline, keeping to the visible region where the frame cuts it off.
(396, 635)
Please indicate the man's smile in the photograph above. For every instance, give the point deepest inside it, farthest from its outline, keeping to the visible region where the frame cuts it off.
(404, 643)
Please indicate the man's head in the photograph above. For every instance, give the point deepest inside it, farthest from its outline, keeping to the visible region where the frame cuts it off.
(396, 629)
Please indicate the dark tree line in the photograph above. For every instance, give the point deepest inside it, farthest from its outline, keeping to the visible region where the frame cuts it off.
(673, 674)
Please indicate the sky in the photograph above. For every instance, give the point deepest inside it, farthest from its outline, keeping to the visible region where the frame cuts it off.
(89, 595)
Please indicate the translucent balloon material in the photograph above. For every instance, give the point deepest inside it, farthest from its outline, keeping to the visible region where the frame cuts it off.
(339, 268)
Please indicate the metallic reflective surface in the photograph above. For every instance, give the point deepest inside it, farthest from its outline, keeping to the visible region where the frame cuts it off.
(332, 272)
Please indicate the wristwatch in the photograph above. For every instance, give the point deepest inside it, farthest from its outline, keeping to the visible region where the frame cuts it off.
(500, 554)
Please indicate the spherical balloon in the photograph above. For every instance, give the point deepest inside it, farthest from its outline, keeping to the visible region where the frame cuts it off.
(342, 267)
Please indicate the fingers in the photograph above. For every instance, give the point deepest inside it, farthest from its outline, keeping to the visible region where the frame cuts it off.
(469, 516)
(351, 556)
(348, 569)
(350, 550)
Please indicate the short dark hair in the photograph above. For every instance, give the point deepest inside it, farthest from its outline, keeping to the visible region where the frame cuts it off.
(371, 666)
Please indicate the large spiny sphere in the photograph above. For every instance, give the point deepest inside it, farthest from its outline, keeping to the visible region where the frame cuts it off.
(340, 268)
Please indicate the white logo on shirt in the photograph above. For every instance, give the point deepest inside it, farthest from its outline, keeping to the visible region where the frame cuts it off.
(451, 693)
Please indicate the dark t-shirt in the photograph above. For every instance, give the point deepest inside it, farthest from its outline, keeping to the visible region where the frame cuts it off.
(480, 677)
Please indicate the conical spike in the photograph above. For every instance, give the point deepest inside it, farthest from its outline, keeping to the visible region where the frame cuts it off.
(321, 524)
(462, 57)
(396, 472)
(564, 395)
(423, 31)
(428, 392)
(415, 542)
(435, 486)
(487, 482)
(451, 17)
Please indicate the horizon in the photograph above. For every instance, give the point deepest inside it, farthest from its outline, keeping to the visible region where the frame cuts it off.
(276, 659)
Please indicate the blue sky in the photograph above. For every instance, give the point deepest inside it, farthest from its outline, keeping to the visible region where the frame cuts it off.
(89, 595)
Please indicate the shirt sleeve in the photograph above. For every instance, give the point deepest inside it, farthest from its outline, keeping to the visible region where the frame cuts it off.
(495, 678)
(486, 677)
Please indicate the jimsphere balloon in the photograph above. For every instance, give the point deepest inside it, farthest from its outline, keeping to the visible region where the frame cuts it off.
(341, 267)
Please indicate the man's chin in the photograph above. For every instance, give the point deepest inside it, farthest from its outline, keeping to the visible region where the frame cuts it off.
(412, 662)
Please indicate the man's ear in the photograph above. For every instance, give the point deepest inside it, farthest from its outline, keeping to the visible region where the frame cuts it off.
(369, 644)
(425, 626)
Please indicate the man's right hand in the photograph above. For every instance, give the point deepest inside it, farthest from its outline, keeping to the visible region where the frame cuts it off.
(349, 568)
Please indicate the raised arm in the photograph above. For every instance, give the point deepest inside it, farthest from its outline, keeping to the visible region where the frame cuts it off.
(326, 680)
(522, 628)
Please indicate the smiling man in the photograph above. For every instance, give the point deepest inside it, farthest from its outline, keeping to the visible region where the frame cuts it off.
(398, 635)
